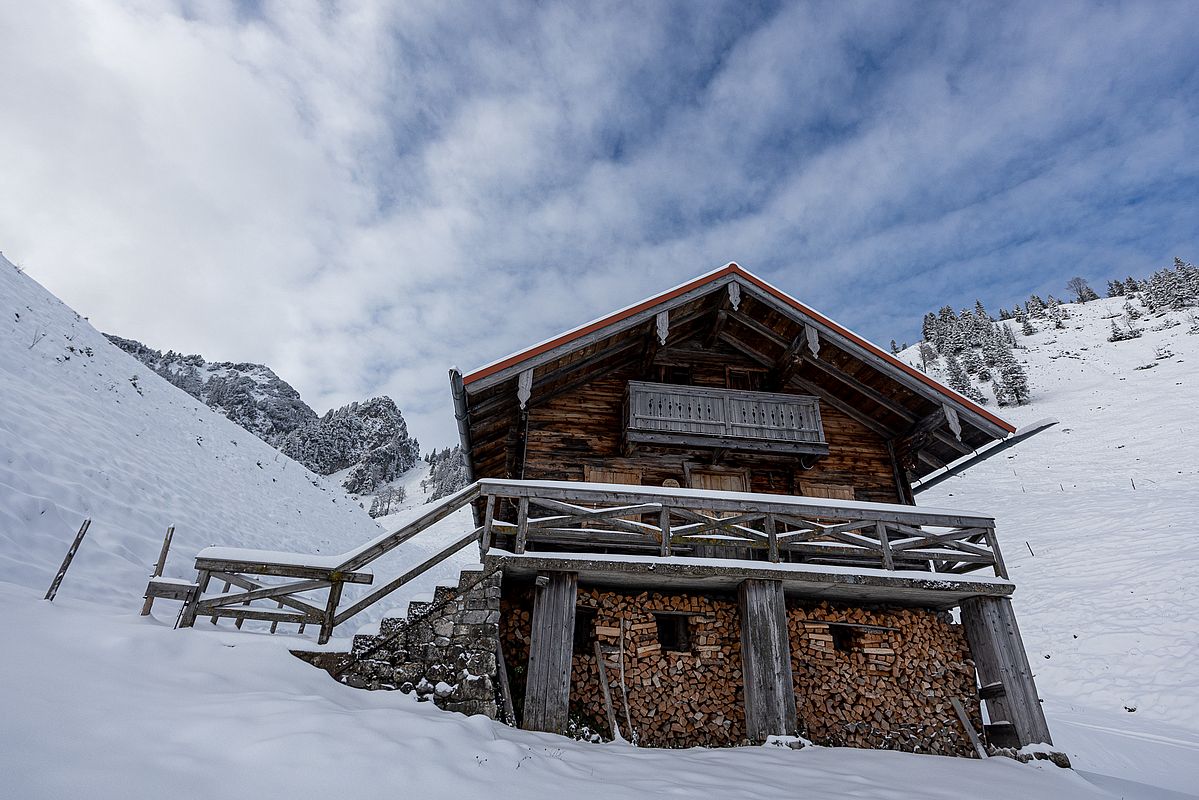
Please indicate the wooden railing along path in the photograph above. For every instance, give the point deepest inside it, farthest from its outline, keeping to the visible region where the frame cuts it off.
(580, 517)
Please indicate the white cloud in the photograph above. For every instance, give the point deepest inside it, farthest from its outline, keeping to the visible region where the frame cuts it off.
(361, 197)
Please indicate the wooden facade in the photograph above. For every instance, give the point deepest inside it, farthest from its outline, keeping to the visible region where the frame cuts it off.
(592, 444)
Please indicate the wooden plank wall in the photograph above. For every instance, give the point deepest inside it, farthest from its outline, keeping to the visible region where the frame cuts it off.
(584, 427)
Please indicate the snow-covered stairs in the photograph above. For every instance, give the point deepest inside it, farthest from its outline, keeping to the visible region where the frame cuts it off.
(443, 649)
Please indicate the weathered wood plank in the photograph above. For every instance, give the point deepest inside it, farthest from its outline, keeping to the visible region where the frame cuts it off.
(547, 689)
(999, 657)
(766, 660)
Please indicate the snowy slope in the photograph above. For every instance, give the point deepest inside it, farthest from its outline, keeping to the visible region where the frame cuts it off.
(100, 702)
(88, 431)
(1097, 515)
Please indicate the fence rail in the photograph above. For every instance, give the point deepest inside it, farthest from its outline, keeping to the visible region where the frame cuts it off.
(583, 517)
(670, 522)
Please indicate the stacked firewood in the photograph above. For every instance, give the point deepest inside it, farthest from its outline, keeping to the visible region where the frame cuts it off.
(882, 678)
(678, 698)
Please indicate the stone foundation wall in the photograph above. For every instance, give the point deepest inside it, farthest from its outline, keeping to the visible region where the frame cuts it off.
(445, 651)
(675, 699)
(884, 687)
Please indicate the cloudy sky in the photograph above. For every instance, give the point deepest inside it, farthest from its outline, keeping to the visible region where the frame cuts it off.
(364, 194)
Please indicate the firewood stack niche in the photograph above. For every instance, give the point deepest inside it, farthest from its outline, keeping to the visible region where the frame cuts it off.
(878, 678)
(713, 489)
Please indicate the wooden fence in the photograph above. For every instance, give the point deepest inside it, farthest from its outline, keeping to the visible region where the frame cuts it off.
(580, 517)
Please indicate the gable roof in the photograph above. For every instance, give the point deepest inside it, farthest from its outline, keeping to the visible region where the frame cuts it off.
(728, 307)
(517, 362)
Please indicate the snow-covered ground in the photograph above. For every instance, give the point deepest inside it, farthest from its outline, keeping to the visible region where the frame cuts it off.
(100, 702)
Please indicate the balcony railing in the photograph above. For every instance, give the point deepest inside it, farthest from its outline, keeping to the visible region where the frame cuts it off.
(661, 413)
(582, 517)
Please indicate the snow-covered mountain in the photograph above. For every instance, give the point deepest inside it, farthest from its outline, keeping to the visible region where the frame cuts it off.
(100, 702)
(369, 439)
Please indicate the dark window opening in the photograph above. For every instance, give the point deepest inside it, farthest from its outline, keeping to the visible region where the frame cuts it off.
(846, 639)
(584, 633)
(677, 374)
(749, 380)
(674, 632)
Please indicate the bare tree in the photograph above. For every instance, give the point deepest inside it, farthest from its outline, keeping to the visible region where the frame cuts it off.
(1081, 289)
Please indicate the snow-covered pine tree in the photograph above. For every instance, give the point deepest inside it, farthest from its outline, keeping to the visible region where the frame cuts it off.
(1036, 306)
(1115, 288)
(447, 474)
(1002, 397)
(1131, 285)
(960, 382)
(894, 348)
(928, 355)
(1123, 334)
(1130, 310)
(971, 362)
(1027, 329)
(1015, 381)
(928, 327)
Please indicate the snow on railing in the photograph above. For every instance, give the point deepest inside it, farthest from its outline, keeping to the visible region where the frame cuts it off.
(582, 517)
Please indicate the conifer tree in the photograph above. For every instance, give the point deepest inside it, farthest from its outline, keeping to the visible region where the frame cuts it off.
(1115, 288)
(1027, 329)
(1002, 397)
(1015, 382)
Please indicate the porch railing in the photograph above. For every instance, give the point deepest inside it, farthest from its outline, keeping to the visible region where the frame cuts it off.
(582, 517)
(665, 522)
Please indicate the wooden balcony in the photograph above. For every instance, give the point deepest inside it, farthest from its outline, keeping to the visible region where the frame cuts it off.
(647, 535)
(699, 416)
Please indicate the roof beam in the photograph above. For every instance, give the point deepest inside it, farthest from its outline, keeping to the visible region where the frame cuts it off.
(873, 394)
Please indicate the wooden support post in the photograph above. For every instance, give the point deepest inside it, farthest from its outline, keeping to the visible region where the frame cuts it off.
(993, 543)
(772, 538)
(547, 690)
(880, 530)
(330, 612)
(999, 656)
(664, 524)
(66, 562)
(159, 566)
(766, 660)
(188, 617)
(488, 519)
(522, 524)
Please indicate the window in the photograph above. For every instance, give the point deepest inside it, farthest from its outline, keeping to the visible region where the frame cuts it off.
(678, 374)
(829, 491)
(749, 380)
(584, 633)
(674, 632)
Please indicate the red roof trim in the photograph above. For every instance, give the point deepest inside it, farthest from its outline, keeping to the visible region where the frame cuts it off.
(733, 269)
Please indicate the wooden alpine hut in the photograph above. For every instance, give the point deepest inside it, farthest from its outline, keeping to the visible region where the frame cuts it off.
(701, 507)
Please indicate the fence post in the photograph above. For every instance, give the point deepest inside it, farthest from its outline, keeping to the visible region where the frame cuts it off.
(522, 524)
(993, 542)
(664, 524)
(330, 611)
(772, 538)
(488, 518)
(881, 530)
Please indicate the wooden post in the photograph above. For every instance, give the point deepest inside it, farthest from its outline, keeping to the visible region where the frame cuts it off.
(881, 531)
(999, 656)
(522, 524)
(505, 688)
(772, 538)
(993, 543)
(766, 660)
(159, 566)
(188, 617)
(547, 690)
(606, 688)
(330, 612)
(664, 524)
(66, 562)
(488, 519)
